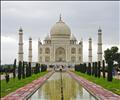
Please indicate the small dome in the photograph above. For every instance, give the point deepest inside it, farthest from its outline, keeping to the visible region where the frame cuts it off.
(90, 38)
(30, 38)
(39, 41)
(60, 28)
(47, 37)
(99, 30)
(73, 37)
(20, 30)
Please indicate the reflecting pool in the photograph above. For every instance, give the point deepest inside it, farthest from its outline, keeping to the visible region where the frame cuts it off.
(51, 90)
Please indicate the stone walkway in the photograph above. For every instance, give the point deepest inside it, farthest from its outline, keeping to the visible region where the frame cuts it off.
(96, 90)
(24, 92)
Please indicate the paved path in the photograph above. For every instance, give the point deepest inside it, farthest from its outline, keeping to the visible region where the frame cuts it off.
(24, 92)
(96, 90)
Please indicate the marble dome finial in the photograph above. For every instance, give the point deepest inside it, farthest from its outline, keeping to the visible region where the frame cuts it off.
(60, 19)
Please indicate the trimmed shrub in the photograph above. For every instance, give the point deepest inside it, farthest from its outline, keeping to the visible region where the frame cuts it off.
(84, 68)
(43, 67)
(29, 69)
(99, 66)
(19, 70)
(109, 71)
(95, 69)
(14, 69)
(23, 70)
(89, 69)
(77, 67)
(103, 68)
(7, 78)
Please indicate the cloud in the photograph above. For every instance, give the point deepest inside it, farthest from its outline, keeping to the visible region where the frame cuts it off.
(37, 18)
(9, 50)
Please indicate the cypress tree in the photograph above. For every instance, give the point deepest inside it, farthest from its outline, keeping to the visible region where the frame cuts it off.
(36, 68)
(95, 69)
(89, 68)
(23, 70)
(14, 69)
(110, 68)
(103, 69)
(99, 66)
(19, 70)
(85, 67)
(80, 66)
(7, 77)
(29, 69)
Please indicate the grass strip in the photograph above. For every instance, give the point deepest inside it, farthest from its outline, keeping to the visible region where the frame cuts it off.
(14, 84)
(113, 86)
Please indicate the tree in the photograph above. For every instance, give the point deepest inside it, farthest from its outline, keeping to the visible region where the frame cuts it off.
(7, 77)
(36, 68)
(29, 69)
(23, 70)
(99, 66)
(14, 69)
(44, 67)
(89, 69)
(19, 70)
(84, 68)
(77, 67)
(118, 59)
(95, 69)
(111, 55)
(103, 68)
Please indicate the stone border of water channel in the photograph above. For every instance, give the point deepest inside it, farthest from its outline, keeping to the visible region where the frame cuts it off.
(28, 90)
(97, 91)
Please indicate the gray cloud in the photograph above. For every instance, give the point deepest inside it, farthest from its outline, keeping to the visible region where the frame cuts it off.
(83, 18)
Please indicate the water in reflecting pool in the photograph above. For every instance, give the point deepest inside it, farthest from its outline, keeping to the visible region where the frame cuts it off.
(51, 90)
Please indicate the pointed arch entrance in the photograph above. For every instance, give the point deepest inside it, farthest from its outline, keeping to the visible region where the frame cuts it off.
(60, 55)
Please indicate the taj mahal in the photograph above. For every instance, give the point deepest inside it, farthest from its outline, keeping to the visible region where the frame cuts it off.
(60, 46)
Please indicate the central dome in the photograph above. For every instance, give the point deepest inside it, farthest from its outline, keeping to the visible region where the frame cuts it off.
(60, 28)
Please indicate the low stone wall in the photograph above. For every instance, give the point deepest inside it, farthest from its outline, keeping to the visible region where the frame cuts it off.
(96, 90)
(25, 92)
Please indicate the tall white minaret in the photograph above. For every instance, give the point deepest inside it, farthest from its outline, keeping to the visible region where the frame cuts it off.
(30, 50)
(20, 50)
(90, 51)
(99, 45)
(82, 50)
(39, 45)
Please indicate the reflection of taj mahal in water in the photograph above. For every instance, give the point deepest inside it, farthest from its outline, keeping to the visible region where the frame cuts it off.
(60, 46)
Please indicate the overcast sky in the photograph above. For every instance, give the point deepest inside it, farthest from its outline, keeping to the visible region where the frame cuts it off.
(37, 18)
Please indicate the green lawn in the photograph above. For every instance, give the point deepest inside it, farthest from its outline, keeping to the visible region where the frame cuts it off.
(113, 86)
(14, 84)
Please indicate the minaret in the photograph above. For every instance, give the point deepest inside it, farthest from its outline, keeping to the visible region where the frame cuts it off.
(99, 45)
(39, 44)
(90, 50)
(20, 50)
(30, 50)
(82, 50)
